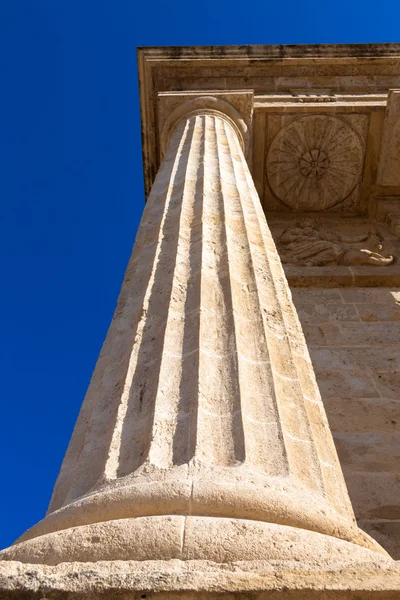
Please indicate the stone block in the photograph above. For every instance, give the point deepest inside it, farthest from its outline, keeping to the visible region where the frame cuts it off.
(318, 277)
(379, 359)
(376, 276)
(386, 533)
(195, 580)
(326, 359)
(362, 415)
(370, 295)
(369, 451)
(350, 384)
(311, 312)
(388, 384)
(310, 295)
(379, 312)
(389, 158)
(374, 495)
(352, 334)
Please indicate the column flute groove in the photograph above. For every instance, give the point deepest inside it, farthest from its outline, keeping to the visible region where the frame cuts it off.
(219, 393)
(283, 377)
(178, 380)
(264, 441)
(137, 423)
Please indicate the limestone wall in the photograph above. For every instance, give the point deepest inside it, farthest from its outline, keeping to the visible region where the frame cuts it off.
(353, 336)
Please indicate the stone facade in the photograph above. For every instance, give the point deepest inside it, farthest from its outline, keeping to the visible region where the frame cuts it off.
(354, 339)
(262, 291)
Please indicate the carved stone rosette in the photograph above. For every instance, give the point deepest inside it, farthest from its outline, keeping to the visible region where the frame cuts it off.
(202, 434)
(315, 162)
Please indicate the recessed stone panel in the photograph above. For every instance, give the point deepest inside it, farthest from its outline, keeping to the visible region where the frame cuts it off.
(314, 162)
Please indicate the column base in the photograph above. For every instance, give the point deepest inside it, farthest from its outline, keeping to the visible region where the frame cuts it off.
(229, 497)
(164, 538)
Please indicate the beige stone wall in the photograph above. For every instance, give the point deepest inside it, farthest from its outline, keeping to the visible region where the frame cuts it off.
(353, 336)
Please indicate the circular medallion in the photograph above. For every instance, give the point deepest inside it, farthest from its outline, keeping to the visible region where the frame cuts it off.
(314, 162)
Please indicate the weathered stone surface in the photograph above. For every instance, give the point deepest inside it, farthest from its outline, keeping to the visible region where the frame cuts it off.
(360, 415)
(378, 452)
(191, 580)
(220, 540)
(386, 532)
(389, 296)
(374, 495)
(319, 313)
(379, 312)
(343, 277)
(387, 211)
(357, 364)
(352, 358)
(389, 161)
(362, 335)
(358, 384)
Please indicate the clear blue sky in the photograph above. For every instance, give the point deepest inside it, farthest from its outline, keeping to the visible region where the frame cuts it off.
(72, 191)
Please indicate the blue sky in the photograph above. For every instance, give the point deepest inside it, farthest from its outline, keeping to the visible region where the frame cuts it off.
(72, 191)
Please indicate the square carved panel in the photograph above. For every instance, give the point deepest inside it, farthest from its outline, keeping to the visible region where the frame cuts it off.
(314, 162)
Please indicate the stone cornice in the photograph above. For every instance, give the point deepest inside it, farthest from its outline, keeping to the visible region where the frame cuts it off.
(271, 52)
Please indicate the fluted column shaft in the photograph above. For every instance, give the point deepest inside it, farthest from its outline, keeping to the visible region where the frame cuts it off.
(203, 400)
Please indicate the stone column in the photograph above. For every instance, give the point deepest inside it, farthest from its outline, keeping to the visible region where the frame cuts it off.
(202, 434)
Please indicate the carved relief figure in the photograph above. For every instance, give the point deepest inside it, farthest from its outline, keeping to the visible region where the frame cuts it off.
(309, 245)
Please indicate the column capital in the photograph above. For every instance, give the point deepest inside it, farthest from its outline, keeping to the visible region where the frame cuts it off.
(234, 107)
